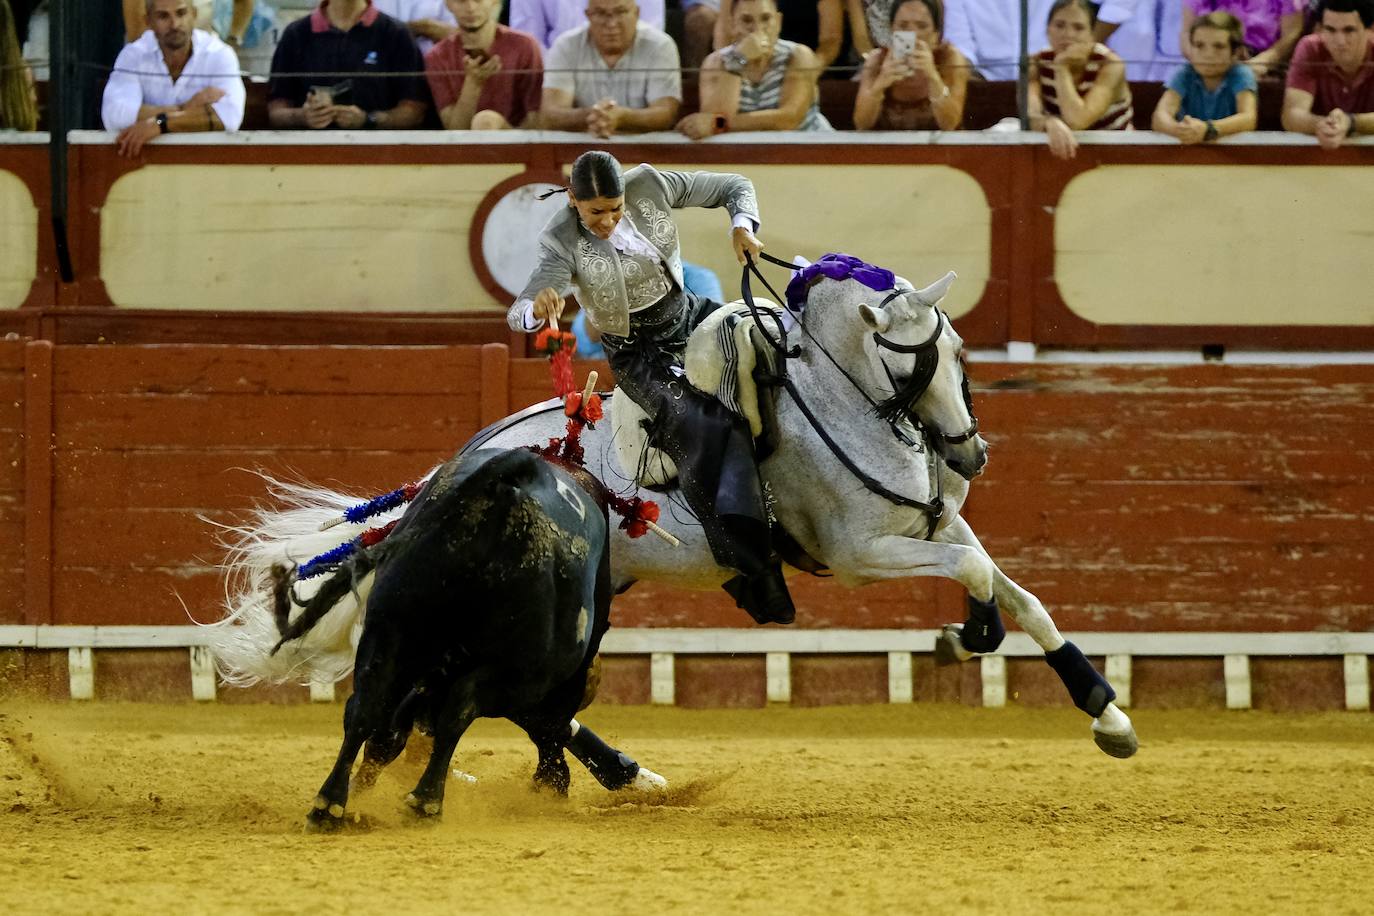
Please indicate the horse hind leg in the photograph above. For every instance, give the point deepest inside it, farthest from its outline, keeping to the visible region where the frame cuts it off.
(613, 768)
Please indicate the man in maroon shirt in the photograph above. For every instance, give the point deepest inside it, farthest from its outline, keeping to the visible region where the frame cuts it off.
(1330, 90)
(487, 76)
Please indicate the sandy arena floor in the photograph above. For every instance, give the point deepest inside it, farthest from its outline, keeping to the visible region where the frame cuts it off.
(116, 808)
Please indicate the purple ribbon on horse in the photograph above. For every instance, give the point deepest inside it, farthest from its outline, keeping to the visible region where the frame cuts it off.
(836, 266)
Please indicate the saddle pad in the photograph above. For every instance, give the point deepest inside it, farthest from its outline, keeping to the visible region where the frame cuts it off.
(721, 356)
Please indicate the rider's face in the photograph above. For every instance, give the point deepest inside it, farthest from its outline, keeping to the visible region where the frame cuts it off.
(600, 214)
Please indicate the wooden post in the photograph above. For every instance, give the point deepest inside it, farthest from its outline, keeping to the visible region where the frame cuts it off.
(38, 472)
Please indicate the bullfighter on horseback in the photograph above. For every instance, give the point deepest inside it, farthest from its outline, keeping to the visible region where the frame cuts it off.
(616, 246)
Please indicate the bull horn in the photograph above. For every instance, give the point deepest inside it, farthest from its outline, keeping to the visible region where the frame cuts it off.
(936, 291)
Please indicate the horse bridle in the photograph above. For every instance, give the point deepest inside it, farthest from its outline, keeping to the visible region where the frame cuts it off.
(927, 361)
(934, 507)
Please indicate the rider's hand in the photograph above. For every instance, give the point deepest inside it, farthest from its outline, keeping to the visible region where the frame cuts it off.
(548, 306)
(744, 241)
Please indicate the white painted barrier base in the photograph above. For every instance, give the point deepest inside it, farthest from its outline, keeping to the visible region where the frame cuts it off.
(662, 645)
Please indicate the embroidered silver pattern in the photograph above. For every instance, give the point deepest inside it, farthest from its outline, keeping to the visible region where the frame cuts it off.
(597, 275)
(644, 281)
(661, 230)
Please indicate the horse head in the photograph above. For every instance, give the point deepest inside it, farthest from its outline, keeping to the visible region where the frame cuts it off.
(922, 357)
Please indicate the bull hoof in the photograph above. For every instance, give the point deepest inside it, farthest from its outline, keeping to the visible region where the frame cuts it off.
(324, 817)
(1120, 746)
(949, 646)
(647, 781)
(424, 811)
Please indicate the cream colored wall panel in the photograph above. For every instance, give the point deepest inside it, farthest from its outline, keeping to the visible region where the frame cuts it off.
(1227, 245)
(295, 237)
(18, 241)
(916, 220)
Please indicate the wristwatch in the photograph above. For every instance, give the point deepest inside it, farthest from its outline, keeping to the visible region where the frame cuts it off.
(1354, 128)
(370, 121)
(161, 120)
(1211, 133)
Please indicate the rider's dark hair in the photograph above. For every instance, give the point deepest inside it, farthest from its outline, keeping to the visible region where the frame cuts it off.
(596, 173)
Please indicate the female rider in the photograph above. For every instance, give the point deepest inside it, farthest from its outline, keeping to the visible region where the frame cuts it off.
(616, 245)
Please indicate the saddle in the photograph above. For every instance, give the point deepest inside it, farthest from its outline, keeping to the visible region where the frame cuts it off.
(726, 357)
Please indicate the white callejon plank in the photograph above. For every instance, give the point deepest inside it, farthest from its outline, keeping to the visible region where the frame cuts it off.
(900, 688)
(1357, 682)
(1237, 672)
(202, 674)
(81, 673)
(322, 691)
(779, 668)
(994, 672)
(662, 689)
(1119, 676)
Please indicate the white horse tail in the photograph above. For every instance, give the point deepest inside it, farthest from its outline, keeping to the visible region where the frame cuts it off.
(284, 535)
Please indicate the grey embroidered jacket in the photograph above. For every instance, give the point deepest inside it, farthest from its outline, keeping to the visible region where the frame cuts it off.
(571, 256)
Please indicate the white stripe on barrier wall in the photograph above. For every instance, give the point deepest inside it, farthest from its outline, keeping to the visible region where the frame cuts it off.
(663, 644)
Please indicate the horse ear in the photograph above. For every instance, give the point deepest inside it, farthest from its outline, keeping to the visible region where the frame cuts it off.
(877, 319)
(936, 291)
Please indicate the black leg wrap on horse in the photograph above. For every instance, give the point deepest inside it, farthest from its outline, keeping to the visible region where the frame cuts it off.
(1089, 690)
(983, 631)
(612, 768)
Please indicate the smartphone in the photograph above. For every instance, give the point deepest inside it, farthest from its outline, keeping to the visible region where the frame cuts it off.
(333, 95)
(903, 44)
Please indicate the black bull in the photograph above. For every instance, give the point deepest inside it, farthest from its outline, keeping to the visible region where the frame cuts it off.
(490, 598)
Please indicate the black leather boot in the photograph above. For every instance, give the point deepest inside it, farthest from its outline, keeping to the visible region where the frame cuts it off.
(764, 595)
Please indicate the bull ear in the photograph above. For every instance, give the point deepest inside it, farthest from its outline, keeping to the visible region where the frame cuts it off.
(936, 291)
(877, 319)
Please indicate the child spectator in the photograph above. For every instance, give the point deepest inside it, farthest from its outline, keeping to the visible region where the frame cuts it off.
(761, 82)
(1214, 95)
(1076, 83)
(1271, 27)
(924, 90)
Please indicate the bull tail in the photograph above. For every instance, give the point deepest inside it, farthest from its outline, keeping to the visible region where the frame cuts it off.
(342, 583)
(247, 641)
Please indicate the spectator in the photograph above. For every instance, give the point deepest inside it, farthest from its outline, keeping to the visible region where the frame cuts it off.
(1145, 34)
(870, 23)
(926, 89)
(698, 30)
(487, 76)
(1214, 95)
(250, 28)
(1076, 83)
(174, 78)
(815, 24)
(549, 20)
(1272, 27)
(429, 21)
(761, 82)
(988, 33)
(347, 36)
(18, 101)
(1330, 90)
(614, 75)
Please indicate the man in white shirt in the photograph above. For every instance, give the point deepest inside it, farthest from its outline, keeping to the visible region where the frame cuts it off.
(174, 78)
(429, 21)
(546, 20)
(615, 75)
(1145, 34)
(988, 32)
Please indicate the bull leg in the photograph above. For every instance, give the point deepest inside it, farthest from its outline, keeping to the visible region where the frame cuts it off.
(377, 754)
(549, 732)
(451, 720)
(327, 812)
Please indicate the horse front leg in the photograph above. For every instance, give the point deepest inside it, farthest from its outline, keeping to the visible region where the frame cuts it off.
(897, 557)
(1090, 691)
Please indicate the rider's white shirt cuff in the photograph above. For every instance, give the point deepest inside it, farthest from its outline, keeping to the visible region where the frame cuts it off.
(743, 219)
(527, 319)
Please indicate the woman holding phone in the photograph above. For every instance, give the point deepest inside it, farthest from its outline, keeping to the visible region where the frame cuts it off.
(917, 82)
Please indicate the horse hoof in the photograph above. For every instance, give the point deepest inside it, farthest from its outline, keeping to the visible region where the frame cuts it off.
(949, 647)
(1119, 746)
(648, 781)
